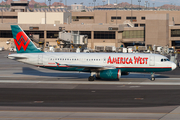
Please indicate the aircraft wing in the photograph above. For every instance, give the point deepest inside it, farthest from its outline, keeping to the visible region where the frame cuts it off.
(91, 67)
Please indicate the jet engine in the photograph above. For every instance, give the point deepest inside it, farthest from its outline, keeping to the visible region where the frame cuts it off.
(109, 74)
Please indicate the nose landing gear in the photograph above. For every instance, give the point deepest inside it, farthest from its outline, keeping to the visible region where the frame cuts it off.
(152, 76)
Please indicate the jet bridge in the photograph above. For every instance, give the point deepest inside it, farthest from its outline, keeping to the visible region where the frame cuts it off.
(71, 40)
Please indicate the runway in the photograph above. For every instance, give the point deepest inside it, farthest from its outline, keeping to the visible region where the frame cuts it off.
(89, 102)
(28, 92)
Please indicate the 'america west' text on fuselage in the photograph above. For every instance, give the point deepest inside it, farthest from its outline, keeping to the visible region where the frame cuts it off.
(127, 60)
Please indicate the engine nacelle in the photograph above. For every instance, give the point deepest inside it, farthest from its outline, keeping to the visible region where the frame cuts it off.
(109, 74)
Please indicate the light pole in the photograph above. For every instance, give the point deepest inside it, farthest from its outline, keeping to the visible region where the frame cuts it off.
(139, 4)
(94, 3)
(153, 5)
(2, 12)
(49, 3)
(5, 3)
(45, 13)
(146, 3)
(131, 11)
(115, 4)
(116, 12)
(103, 2)
(60, 2)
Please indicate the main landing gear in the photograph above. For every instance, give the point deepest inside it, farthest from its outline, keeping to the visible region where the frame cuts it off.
(152, 76)
(91, 78)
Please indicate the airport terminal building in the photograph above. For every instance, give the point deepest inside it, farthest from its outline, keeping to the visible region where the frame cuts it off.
(103, 27)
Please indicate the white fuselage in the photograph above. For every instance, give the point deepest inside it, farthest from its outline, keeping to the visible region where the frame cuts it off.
(116, 60)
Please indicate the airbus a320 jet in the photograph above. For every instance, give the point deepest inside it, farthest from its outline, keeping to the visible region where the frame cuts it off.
(100, 65)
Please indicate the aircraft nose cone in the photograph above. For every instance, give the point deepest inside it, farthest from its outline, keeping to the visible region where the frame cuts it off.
(174, 66)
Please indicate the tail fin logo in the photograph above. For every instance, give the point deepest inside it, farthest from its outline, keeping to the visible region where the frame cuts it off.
(21, 41)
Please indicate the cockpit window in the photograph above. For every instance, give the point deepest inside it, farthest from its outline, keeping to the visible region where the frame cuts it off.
(164, 60)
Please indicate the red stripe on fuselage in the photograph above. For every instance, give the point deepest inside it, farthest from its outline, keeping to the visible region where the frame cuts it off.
(51, 66)
(51, 63)
(143, 67)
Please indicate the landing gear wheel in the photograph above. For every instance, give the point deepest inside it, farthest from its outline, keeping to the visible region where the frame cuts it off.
(98, 78)
(91, 78)
(153, 79)
(152, 76)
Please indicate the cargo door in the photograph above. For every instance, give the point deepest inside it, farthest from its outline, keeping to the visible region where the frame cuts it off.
(152, 61)
(40, 59)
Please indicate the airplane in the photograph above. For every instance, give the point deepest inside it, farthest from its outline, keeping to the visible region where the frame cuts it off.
(100, 65)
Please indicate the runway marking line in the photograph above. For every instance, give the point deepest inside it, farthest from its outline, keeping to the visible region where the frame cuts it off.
(87, 112)
(38, 101)
(74, 118)
(31, 117)
(138, 98)
(87, 82)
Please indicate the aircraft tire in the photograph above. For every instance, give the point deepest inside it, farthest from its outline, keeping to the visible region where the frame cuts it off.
(98, 78)
(153, 79)
(91, 78)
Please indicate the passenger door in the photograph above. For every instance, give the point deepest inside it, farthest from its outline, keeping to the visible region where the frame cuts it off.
(151, 60)
(40, 59)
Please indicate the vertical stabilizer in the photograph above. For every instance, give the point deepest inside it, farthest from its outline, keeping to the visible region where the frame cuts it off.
(22, 42)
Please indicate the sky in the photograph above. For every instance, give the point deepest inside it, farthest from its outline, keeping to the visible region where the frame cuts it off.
(86, 2)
